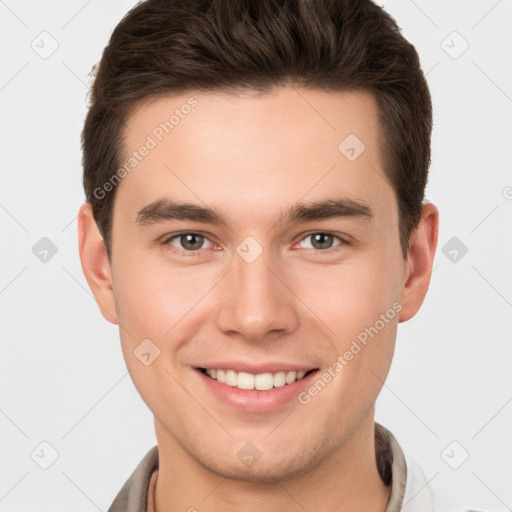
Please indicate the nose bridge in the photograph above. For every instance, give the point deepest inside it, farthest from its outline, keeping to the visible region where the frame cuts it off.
(256, 301)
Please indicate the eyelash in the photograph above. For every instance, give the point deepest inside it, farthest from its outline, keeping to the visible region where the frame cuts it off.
(168, 240)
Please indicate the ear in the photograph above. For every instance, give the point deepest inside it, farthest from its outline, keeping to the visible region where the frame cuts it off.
(95, 264)
(420, 258)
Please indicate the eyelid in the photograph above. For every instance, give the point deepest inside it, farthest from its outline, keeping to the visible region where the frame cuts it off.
(170, 236)
(344, 240)
(166, 240)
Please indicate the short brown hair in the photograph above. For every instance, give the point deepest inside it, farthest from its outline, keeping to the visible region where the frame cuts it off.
(164, 47)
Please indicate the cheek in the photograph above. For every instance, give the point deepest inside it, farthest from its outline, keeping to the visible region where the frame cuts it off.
(358, 303)
(155, 302)
(360, 309)
(350, 297)
(153, 298)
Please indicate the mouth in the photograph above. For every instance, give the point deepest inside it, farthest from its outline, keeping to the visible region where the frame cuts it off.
(254, 387)
(259, 382)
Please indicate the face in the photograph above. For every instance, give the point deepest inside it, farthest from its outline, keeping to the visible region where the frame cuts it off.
(284, 263)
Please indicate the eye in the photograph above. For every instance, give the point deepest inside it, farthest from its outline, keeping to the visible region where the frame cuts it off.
(321, 241)
(190, 242)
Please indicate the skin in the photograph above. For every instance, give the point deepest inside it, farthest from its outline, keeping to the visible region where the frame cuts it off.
(252, 158)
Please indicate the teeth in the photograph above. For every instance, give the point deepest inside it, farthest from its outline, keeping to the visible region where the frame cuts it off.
(261, 382)
(264, 381)
(245, 380)
(291, 377)
(279, 379)
(231, 378)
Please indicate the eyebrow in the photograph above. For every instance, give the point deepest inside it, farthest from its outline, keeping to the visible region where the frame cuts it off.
(166, 209)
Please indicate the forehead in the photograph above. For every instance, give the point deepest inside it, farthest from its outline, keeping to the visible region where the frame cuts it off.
(249, 152)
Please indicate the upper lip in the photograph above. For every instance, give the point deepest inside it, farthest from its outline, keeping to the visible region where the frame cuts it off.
(257, 369)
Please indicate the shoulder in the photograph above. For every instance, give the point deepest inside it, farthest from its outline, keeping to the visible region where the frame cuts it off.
(418, 492)
(133, 496)
(411, 490)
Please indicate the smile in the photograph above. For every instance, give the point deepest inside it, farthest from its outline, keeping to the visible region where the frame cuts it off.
(249, 381)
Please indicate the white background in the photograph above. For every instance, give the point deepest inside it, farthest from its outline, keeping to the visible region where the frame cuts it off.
(63, 378)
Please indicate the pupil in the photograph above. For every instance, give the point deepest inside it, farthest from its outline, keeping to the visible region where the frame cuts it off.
(322, 241)
(191, 241)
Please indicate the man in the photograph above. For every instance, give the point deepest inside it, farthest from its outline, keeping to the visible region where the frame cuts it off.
(255, 175)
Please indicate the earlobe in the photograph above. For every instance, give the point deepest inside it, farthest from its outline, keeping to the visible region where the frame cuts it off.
(420, 259)
(95, 264)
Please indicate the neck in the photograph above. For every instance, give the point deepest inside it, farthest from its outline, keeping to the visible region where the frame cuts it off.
(347, 481)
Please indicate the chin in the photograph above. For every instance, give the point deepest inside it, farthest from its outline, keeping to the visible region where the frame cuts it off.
(267, 469)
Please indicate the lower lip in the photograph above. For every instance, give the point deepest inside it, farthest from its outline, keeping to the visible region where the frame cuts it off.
(254, 400)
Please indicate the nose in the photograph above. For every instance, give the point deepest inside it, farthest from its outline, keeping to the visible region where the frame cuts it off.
(256, 301)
